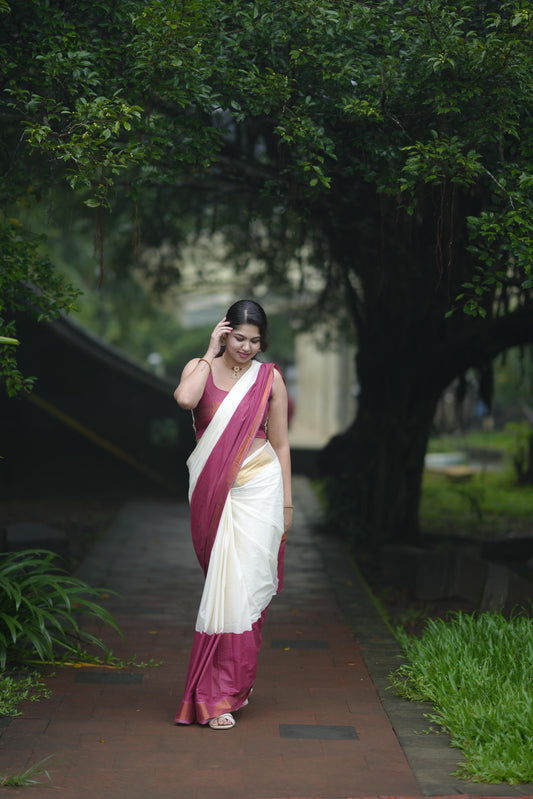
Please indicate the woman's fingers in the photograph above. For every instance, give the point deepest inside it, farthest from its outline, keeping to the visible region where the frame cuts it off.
(221, 329)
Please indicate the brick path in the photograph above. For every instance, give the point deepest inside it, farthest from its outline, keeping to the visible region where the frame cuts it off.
(315, 727)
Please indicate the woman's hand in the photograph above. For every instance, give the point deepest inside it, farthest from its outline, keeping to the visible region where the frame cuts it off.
(196, 372)
(215, 342)
(287, 519)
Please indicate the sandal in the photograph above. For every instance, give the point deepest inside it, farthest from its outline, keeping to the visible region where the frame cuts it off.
(227, 717)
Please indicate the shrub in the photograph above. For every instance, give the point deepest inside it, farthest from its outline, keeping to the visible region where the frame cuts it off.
(39, 610)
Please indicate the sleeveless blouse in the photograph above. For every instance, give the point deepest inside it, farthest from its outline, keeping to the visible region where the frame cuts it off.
(209, 402)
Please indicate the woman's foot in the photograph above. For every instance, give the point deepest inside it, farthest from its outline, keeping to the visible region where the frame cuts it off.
(223, 722)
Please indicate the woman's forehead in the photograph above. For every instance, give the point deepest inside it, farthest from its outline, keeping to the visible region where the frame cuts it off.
(248, 331)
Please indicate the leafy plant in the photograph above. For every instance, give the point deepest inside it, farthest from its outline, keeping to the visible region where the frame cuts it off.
(14, 690)
(39, 609)
(26, 778)
(28, 282)
(476, 670)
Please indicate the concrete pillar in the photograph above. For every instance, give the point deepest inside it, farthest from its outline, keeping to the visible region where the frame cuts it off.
(324, 391)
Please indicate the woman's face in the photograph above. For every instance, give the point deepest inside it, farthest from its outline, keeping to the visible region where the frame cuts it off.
(243, 343)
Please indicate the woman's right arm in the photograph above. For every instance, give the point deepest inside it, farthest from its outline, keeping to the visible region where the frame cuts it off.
(194, 376)
(192, 383)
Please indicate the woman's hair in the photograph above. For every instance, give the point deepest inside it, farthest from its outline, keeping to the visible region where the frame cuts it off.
(248, 312)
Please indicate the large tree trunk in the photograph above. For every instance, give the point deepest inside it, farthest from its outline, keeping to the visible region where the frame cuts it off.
(405, 360)
(379, 461)
(400, 276)
(389, 440)
(407, 353)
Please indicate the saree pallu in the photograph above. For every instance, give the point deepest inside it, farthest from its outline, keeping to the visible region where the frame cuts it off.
(243, 562)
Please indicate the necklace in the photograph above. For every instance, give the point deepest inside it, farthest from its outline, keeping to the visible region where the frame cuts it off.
(235, 369)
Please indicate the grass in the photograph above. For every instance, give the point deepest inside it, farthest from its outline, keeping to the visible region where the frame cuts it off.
(504, 440)
(476, 669)
(477, 672)
(25, 778)
(489, 505)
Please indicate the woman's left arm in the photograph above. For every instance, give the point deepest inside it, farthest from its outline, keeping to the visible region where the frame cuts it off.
(278, 435)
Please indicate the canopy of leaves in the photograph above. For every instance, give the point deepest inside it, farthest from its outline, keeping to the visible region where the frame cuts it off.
(378, 131)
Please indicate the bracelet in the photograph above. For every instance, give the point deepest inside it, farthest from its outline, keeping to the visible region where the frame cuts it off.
(205, 361)
(288, 506)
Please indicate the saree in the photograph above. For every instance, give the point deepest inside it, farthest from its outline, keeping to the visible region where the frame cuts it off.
(236, 503)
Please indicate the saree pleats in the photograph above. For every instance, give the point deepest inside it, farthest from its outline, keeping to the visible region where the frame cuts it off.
(222, 672)
(242, 574)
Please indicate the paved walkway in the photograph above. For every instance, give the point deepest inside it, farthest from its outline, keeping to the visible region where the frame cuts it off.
(316, 727)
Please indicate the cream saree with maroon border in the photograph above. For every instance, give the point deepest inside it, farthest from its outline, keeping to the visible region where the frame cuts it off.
(237, 530)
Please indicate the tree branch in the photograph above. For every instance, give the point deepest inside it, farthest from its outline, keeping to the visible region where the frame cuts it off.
(481, 341)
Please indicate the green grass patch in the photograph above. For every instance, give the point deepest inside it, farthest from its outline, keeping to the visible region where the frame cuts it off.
(504, 440)
(477, 671)
(489, 505)
(26, 778)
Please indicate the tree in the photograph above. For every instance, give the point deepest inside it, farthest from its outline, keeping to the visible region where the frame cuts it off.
(396, 139)
(413, 122)
(390, 144)
(69, 80)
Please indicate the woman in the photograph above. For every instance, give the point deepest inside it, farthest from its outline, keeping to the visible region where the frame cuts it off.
(241, 509)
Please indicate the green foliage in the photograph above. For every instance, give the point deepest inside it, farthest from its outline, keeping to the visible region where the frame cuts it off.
(489, 505)
(98, 99)
(27, 282)
(522, 450)
(513, 380)
(17, 689)
(40, 608)
(26, 778)
(324, 105)
(476, 670)
(375, 160)
(160, 89)
(498, 440)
